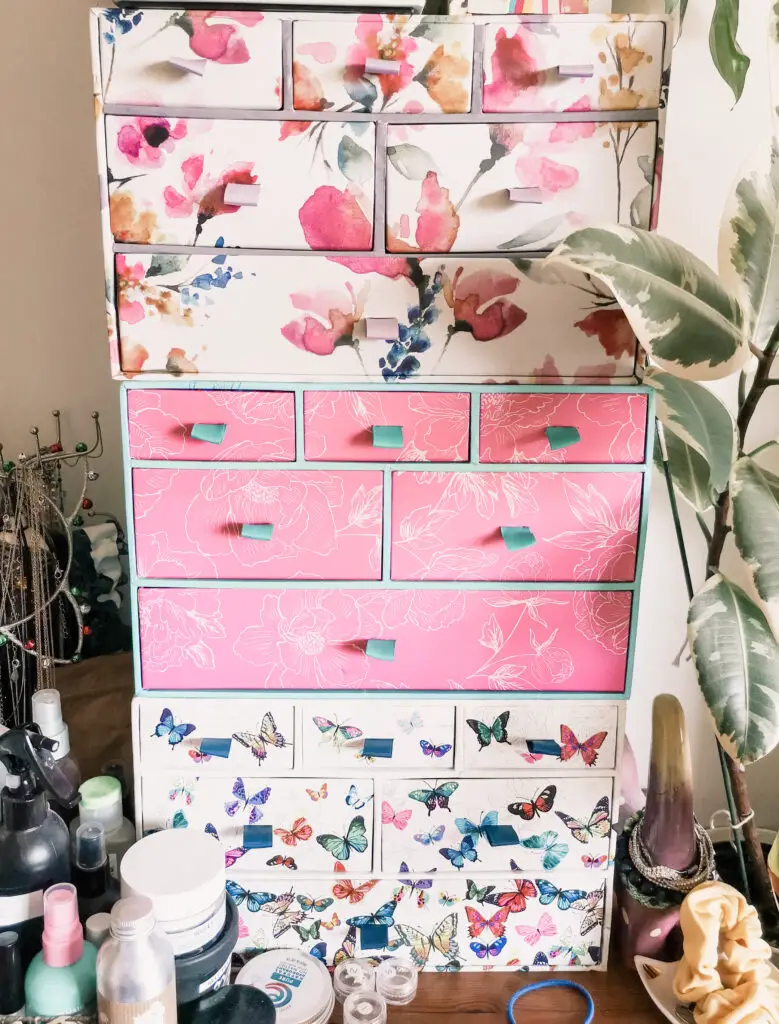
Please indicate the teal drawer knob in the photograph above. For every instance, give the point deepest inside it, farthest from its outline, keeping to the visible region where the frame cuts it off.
(550, 747)
(501, 835)
(387, 437)
(377, 748)
(517, 538)
(257, 531)
(373, 936)
(212, 433)
(562, 437)
(214, 746)
(382, 650)
(257, 837)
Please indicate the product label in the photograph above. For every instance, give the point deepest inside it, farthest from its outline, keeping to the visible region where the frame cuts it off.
(290, 972)
(160, 1010)
(16, 909)
(218, 980)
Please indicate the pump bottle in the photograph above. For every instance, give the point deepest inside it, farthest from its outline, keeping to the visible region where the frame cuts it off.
(47, 715)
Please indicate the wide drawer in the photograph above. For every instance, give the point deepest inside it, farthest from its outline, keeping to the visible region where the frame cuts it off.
(519, 186)
(492, 922)
(515, 526)
(195, 58)
(252, 638)
(409, 735)
(257, 524)
(424, 65)
(242, 735)
(540, 735)
(241, 183)
(211, 426)
(526, 427)
(423, 427)
(572, 65)
(266, 824)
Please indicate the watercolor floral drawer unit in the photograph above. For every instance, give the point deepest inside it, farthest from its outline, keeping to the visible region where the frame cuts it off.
(191, 181)
(217, 639)
(257, 524)
(193, 58)
(425, 65)
(211, 426)
(523, 185)
(532, 66)
(515, 526)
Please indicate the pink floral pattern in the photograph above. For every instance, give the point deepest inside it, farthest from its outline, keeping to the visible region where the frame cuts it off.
(604, 617)
(145, 141)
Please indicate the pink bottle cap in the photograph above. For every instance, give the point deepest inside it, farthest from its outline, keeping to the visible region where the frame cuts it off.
(63, 936)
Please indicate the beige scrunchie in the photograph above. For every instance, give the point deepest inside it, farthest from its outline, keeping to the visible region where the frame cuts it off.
(725, 967)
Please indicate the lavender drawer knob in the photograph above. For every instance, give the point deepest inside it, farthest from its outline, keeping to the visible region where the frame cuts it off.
(381, 328)
(257, 837)
(382, 650)
(531, 195)
(241, 195)
(257, 531)
(517, 538)
(213, 433)
(189, 65)
(387, 437)
(562, 437)
(215, 746)
(377, 66)
(575, 70)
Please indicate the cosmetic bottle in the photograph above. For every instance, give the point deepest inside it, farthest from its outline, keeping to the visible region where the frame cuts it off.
(62, 978)
(47, 715)
(11, 978)
(97, 929)
(97, 891)
(101, 800)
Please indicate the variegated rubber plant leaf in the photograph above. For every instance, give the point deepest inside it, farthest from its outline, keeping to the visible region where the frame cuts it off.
(689, 471)
(737, 661)
(755, 496)
(685, 318)
(729, 59)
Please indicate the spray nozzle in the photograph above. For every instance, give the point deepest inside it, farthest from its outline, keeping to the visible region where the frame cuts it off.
(28, 756)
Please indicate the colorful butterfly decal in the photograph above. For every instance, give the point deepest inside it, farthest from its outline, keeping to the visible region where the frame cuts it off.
(569, 950)
(258, 742)
(198, 757)
(494, 948)
(435, 835)
(598, 826)
(450, 967)
(446, 900)
(435, 796)
(356, 800)
(347, 890)
(593, 906)
(485, 734)
(385, 916)
(566, 898)
(334, 922)
(415, 885)
(540, 960)
(337, 734)
(179, 820)
(300, 832)
(347, 949)
(389, 816)
(167, 727)
(459, 857)
(570, 746)
(243, 802)
(318, 906)
(541, 804)
(284, 915)
(442, 940)
(282, 862)
(532, 934)
(310, 934)
(254, 900)
(431, 750)
(231, 856)
(552, 851)
(515, 901)
(477, 923)
(318, 794)
(594, 862)
(408, 725)
(473, 892)
(319, 951)
(468, 828)
(341, 846)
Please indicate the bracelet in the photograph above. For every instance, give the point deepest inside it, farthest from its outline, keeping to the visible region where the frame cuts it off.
(553, 983)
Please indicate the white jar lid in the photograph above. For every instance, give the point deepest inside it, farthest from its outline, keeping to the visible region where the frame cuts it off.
(297, 984)
(396, 981)
(181, 871)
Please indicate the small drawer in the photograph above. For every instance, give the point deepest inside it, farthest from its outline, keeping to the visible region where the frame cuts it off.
(422, 427)
(572, 64)
(597, 428)
(540, 735)
(519, 824)
(567, 527)
(257, 524)
(214, 737)
(209, 59)
(377, 63)
(385, 735)
(241, 183)
(280, 825)
(211, 426)
(513, 187)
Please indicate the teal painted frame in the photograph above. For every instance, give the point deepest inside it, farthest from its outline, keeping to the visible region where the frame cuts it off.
(475, 391)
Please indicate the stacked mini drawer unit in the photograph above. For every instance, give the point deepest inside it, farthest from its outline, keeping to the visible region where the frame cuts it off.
(387, 486)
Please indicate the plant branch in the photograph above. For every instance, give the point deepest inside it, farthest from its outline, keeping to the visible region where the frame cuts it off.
(704, 527)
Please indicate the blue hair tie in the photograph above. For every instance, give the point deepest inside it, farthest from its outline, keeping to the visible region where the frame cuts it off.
(553, 983)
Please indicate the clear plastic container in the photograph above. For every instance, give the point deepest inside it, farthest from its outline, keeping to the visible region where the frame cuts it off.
(396, 981)
(365, 1008)
(47, 715)
(101, 800)
(352, 976)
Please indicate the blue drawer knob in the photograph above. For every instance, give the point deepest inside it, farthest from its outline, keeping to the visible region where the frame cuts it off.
(213, 433)
(374, 936)
(517, 537)
(377, 748)
(501, 835)
(550, 747)
(257, 837)
(216, 746)
(387, 437)
(382, 650)
(562, 437)
(257, 531)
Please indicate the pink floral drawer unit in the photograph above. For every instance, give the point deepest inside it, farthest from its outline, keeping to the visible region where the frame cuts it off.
(254, 639)
(243, 524)
(266, 184)
(367, 426)
(193, 58)
(573, 527)
(383, 62)
(525, 185)
(567, 64)
(211, 426)
(609, 428)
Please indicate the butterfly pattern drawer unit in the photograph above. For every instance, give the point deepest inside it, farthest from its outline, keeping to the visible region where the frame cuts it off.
(514, 186)
(213, 737)
(600, 428)
(267, 823)
(540, 735)
(515, 526)
(496, 824)
(188, 59)
(408, 735)
(532, 66)
(242, 183)
(416, 427)
(211, 426)
(383, 62)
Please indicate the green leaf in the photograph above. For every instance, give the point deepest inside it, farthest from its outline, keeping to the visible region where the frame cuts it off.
(354, 162)
(684, 317)
(536, 233)
(410, 161)
(737, 661)
(163, 264)
(699, 418)
(729, 59)
(755, 495)
(689, 472)
(361, 91)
